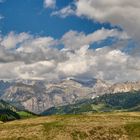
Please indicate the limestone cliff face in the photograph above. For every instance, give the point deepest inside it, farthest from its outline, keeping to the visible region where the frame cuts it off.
(124, 87)
(37, 96)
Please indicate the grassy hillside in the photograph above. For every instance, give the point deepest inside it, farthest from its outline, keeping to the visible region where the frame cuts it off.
(129, 101)
(97, 126)
(8, 115)
(9, 112)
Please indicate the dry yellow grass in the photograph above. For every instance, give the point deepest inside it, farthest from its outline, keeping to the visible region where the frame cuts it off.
(104, 126)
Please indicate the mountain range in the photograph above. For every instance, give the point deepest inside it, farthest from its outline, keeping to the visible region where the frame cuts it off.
(116, 102)
(38, 96)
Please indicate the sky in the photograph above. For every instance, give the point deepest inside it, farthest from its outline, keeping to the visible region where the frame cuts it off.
(55, 39)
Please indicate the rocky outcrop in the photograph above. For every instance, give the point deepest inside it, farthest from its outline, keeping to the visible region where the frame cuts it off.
(124, 87)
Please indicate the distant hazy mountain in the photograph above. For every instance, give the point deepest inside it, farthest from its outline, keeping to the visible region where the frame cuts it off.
(37, 96)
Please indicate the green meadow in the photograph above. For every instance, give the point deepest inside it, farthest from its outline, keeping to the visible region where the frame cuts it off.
(95, 126)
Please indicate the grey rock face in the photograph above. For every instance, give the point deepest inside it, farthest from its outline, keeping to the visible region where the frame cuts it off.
(37, 96)
(124, 87)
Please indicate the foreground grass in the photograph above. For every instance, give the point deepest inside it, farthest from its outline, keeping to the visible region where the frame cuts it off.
(103, 126)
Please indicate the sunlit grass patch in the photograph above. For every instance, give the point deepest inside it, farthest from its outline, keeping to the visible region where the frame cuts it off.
(133, 130)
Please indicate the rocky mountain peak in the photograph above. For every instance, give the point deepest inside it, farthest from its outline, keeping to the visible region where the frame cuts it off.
(37, 96)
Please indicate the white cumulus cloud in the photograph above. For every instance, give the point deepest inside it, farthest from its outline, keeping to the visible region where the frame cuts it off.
(74, 40)
(34, 57)
(64, 12)
(123, 13)
(49, 3)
